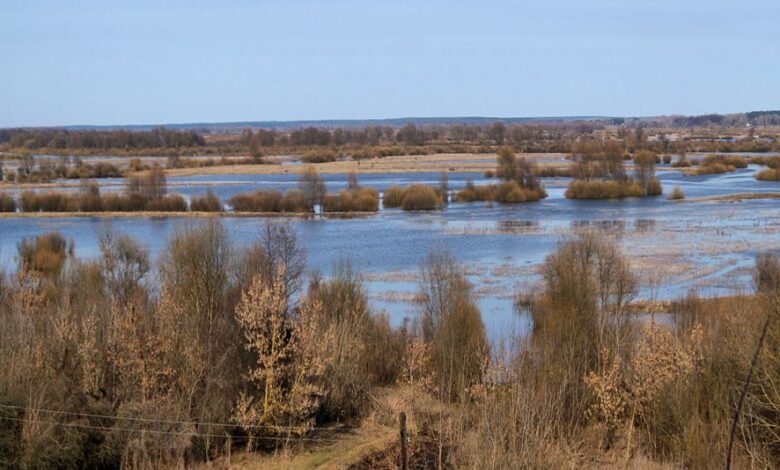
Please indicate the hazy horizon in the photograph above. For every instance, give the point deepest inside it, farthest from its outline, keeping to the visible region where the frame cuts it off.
(99, 63)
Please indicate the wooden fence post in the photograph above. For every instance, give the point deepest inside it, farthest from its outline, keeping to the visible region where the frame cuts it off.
(404, 450)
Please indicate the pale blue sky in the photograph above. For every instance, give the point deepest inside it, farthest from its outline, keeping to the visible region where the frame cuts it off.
(133, 62)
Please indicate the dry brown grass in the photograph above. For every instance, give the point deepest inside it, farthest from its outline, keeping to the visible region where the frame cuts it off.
(453, 162)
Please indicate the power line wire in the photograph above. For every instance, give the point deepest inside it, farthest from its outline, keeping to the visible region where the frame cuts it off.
(157, 431)
(169, 421)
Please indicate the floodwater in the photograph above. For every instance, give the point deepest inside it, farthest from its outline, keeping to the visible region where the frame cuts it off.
(674, 246)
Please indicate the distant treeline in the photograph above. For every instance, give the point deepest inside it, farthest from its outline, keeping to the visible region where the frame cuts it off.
(721, 133)
(118, 139)
(756, 118)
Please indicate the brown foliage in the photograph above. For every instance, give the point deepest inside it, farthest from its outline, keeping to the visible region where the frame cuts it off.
(416, 197)
(352, 200)
(209, 202)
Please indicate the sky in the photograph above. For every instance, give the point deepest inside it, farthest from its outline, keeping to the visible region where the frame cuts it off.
(154, 62)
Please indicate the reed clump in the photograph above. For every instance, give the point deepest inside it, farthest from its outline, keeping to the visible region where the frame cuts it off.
(292, 200)
(509, 192)
(352, 200)
(7, 203)
(417, 197)
(718, 164)
(676, 194)
(768, 174)
(604, 189)
(58, 201)
(209, 202)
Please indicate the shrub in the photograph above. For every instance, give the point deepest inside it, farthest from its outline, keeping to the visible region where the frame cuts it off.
(393, 196)
(771, 162)
(206, 203)
(653, 187)
(549, 171)
(312, 186)
(259, 201)
(734, 161)
(90, 203)
(168, 203)
(414, 197)
(419, 197)
(588, 287)
(600, 189)
(114, 202)
(512, 192)
(768, 174)
(681, 162)
(104, 170)
(385, 348)
(7, 203)
(45, 254)
(355, 200)
(295, 200)
(452, 327)
(49, 201)
(344, 321)
(320, 156)
(509, 192)
(710, 169)
(676, 194)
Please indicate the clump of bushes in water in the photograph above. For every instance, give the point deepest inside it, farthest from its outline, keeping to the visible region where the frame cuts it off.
(353, 199)
(320, 156)
(717, 164)
(676, 194)
(604, 160)
(771, 162)
(768, 174)
(502, 192)
(682, 161)
(604, 189)
(209, 202)
(7, 203)
(97, 170)
(293, 200)
(146, 192)
(417, 197)
(549, 171)
(56, 201)
(735, 161)
(520, 182)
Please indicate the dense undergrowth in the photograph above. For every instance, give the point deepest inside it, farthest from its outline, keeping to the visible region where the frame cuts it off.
(122, 361)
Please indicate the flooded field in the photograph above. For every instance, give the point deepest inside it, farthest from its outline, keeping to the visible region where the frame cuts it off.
(705, 245)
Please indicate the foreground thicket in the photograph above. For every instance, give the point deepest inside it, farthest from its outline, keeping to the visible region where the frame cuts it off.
(122, 361)
(102, 366)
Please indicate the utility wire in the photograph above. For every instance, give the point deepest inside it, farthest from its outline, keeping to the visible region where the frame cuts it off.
(169, 421)
(157, 431)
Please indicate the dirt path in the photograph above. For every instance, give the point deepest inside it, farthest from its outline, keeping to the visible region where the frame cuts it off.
(345, 450)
